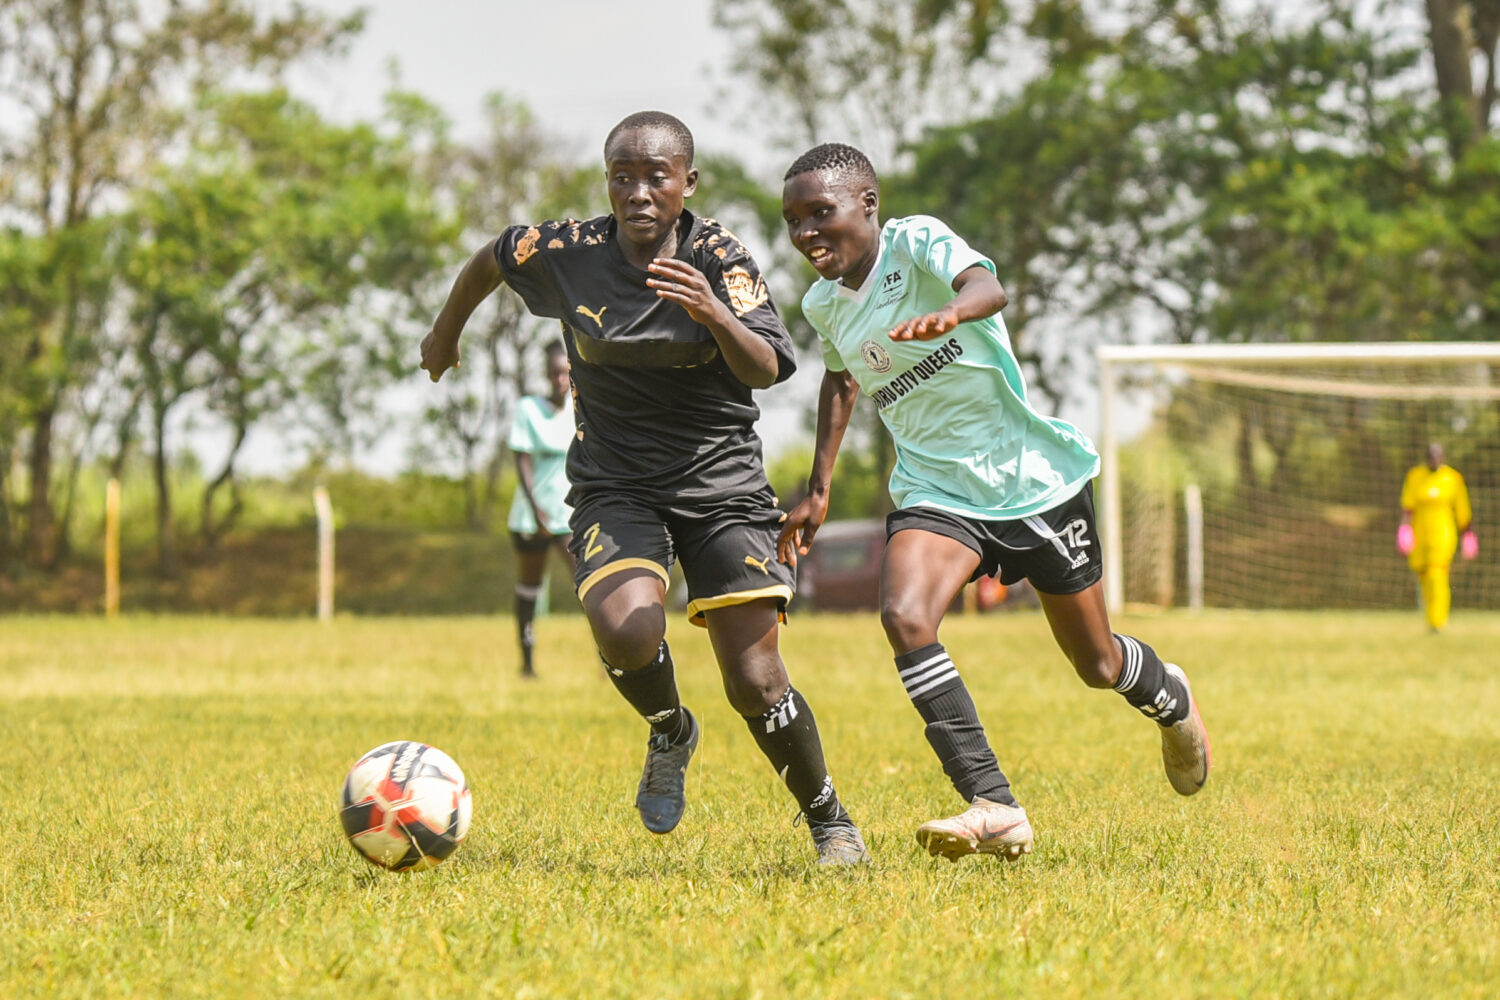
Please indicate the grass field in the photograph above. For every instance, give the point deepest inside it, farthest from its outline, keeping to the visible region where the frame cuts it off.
(173, 799)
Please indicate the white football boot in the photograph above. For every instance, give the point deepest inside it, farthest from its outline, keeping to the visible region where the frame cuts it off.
(1185, 752)
(984, 828)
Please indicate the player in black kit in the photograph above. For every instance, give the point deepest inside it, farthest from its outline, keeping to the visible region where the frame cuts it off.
(669, 326)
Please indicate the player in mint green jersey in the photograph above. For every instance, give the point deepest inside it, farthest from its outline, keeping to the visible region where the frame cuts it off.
(540, 433)
(908, 313)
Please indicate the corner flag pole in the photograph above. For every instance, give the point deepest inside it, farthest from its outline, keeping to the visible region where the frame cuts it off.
(324, 507)
(112, 549)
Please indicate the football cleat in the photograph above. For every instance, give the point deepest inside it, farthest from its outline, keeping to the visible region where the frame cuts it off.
(984, 828)
(1185, 752)
(661, 796)
(838, 843)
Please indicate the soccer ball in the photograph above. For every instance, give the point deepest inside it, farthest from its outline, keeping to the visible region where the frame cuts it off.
(405, 806)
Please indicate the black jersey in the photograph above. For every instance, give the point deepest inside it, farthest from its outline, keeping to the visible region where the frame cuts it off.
(659, 412)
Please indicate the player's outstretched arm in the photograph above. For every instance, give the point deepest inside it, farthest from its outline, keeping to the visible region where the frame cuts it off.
(978, 294)
(751, 358)
(836, 398)
(480, 276)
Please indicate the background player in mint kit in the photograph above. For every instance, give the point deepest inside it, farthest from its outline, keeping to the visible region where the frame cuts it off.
(540, 433)
(669, 326)
(984, 484)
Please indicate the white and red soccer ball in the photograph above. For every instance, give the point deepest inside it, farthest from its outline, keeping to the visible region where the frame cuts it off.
(405, 806)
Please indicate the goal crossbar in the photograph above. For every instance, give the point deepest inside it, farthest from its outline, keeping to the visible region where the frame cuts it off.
(1388, 353)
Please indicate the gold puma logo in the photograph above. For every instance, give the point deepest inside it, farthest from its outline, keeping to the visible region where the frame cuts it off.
(759, 564)
(597, 317)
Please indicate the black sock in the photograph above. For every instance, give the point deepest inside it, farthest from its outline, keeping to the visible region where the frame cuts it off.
(525, 616)
(1145, 683)
(652, 691)
(788, 735)
(953, 726)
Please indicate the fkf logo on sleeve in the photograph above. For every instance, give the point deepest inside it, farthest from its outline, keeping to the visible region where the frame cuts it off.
(892, 288)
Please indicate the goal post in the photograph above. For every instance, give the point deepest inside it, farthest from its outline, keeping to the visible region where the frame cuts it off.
(1298, 453)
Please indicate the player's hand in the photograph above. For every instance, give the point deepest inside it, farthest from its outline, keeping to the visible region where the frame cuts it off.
(1406, 540)
(926, 327)
(680, 282)
(1470, 544)
(799, 527)
(439, 353)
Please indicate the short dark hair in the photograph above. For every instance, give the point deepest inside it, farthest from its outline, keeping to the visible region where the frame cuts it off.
(556, 347)
(843, 161)
(657, 120)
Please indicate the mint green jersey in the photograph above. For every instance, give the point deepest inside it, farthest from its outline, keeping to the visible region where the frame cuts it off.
(967, 441)
(544, 432)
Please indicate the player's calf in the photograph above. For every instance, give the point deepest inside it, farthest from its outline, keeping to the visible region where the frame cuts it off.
(953, 729)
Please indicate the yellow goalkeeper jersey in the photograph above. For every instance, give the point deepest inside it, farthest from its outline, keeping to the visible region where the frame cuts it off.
(1439, 505)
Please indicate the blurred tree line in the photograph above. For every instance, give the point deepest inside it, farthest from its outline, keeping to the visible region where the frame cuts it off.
(1184, 170)
(186, 245)
(188, 248)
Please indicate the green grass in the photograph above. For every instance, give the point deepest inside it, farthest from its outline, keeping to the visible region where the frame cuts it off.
(171, 797)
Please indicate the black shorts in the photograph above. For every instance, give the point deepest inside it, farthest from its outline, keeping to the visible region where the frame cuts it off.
(728, 550)
(1057, 550)
(535, 542)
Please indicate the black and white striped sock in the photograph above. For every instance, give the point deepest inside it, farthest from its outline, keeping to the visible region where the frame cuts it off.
(953, 726)
(1145, 683)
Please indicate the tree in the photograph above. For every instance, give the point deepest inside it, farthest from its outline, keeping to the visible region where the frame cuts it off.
(1459, 32)
(874, 72)
(95, 85)
(245, 260)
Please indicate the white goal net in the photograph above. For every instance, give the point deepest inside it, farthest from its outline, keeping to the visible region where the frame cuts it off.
(1295, 456)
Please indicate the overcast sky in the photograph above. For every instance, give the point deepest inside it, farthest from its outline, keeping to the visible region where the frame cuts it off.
(581, 65)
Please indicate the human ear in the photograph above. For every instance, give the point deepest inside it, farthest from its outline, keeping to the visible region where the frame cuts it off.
(691, 184)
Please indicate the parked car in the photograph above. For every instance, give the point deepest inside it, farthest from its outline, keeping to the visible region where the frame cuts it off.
(842, 573)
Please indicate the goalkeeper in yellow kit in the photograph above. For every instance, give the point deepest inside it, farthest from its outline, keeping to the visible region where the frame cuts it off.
(1434, 515)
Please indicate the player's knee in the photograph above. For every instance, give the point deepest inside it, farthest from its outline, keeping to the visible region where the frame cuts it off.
(1098, 668)
(755, 686)
(907, 623)
(630, 642)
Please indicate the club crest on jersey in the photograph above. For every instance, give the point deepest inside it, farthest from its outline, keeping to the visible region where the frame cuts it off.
(892, 288)
(876, 358)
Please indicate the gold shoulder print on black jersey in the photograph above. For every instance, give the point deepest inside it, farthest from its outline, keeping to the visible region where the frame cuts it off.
(526, 245)
(560, 235)
(746, 291)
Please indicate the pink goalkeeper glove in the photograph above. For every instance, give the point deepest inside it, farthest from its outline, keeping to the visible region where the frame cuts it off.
(1406, 540)
(1470, 544)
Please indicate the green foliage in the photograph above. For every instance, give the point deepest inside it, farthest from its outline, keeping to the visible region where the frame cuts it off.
(96, 92)
(859, 482)
(1325, 858)
(245, 261)
(412, 500)
(1220, 173)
